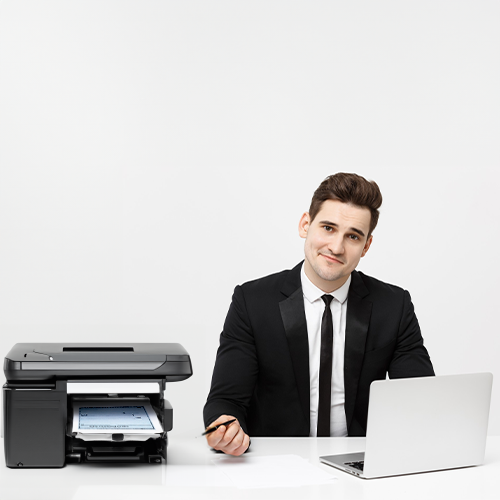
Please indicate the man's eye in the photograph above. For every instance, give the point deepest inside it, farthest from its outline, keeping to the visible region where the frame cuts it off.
(354, 237)
(328, 228)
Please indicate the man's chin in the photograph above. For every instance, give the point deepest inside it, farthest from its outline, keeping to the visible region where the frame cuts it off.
(329, 276)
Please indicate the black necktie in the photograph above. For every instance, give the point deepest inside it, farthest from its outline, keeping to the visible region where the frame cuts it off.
(325, 370)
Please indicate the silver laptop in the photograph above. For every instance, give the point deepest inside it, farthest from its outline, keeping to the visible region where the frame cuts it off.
(422, 424)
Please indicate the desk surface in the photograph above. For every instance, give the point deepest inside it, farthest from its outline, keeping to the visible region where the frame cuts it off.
(190, 474)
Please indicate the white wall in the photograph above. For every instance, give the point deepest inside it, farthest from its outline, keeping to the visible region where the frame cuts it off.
(154, 154)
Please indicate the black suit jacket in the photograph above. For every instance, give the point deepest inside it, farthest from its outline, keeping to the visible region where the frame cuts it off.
(261, 373)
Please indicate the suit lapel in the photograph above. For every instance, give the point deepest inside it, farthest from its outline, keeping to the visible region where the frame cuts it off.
(294, 321)
(358, 318)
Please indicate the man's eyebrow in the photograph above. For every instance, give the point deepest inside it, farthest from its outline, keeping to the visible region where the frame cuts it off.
(353, 229)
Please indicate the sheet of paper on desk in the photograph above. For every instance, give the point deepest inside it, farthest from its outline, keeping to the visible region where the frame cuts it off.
(271, 471)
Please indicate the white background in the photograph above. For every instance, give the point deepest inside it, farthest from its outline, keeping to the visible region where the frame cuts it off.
(154, 154)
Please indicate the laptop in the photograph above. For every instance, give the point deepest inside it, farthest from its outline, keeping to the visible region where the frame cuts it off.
(422, 424)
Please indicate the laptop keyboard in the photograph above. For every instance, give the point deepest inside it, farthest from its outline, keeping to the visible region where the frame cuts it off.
(357, 465)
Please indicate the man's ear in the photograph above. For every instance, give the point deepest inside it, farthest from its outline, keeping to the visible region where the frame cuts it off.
(304, 224)
(367, 245)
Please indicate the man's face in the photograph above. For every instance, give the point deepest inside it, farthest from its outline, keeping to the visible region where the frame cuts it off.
(336, 240)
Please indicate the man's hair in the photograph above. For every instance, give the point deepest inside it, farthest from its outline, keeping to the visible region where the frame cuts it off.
(348, 188)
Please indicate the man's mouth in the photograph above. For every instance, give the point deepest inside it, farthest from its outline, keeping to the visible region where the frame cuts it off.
(329, 258)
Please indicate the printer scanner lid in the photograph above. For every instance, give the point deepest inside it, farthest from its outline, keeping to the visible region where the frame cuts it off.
(52, 361)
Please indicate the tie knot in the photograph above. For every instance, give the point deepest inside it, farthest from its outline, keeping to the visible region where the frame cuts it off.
(327, 299)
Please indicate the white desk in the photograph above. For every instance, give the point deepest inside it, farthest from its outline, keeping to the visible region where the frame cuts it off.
(190, 474)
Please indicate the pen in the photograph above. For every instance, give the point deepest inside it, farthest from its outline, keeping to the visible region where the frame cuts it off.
(215, 427)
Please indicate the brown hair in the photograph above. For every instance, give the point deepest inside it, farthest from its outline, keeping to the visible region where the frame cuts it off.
(348, 188)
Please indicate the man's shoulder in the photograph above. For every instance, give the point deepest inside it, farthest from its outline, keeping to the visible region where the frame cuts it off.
(269, 281)
(273, 282)
(377, 287)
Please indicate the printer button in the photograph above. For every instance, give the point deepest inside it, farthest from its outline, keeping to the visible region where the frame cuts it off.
(154, 459)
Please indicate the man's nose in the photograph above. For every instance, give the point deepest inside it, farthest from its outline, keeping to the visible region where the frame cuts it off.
(336, 244)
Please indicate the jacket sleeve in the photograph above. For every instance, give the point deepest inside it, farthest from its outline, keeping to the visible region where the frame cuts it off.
(236, 367)
(410, 358)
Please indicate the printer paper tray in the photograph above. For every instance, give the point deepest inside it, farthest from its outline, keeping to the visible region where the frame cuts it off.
(101, 419)
(110, 437)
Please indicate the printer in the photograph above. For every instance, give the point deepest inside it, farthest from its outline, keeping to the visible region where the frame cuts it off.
(89, 403)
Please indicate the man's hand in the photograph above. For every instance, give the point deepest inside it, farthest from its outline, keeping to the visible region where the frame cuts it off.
(230, 439)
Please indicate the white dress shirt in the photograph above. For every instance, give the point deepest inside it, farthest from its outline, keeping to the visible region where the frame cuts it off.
(314, 309)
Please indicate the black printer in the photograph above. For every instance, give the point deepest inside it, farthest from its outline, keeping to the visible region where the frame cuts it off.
(89, 403)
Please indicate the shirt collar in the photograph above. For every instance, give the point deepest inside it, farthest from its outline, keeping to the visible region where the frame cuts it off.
(312, 292)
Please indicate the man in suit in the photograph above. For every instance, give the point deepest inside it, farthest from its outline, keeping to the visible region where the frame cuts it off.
(300, 348)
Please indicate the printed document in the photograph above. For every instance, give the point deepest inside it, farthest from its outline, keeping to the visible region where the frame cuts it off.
(99, 419)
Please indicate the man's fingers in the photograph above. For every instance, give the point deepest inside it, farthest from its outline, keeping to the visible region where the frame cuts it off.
(230, 439)
(238, 444)
(243, 447)
(219, 438)
(221, 420)
(214, 438)
(232, 431)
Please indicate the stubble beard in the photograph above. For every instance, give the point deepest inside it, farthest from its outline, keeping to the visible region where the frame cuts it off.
(324, 273)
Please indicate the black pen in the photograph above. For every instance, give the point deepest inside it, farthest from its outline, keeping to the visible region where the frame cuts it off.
(215, 427)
